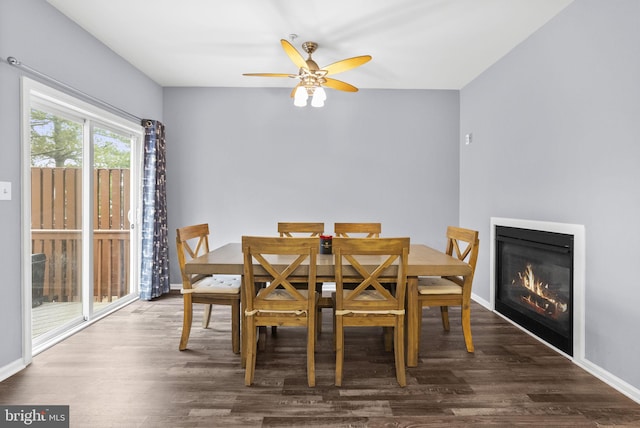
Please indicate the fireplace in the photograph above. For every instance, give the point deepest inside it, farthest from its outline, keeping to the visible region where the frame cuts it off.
(534, 282)
(529, 258)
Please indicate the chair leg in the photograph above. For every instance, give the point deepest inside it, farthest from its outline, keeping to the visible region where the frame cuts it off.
(466, 327)
(419, 323)
(316, 332)
(262, 336)
(401, 374)
(235, 326)
(388, 338)
(319, 314)
(250, 365)
(311, 348)
(444, 313)
(333, 318)
(187, 319)
(207, 316)
(339, 343)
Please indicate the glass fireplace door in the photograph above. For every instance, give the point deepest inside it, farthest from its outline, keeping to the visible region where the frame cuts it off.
(534, 283)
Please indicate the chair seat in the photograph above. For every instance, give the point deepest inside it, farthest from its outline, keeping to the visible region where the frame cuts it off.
(437, 285)
(370, 295)
(216, 284)
(281, 294)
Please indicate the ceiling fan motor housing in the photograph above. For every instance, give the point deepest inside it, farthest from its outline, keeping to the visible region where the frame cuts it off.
(309, 47)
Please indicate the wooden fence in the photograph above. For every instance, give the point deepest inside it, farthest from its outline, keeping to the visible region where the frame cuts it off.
(56, 224)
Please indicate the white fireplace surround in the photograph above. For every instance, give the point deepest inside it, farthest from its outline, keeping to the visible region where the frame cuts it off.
(578, 233)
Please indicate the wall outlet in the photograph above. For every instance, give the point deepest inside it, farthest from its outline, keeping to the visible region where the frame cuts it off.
(5, 190)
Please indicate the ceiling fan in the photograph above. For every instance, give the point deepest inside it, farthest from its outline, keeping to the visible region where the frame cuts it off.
(312, 78)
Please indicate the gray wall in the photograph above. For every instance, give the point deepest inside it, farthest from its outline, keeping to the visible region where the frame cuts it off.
(555, 126)
(244, 159)
(39, 36)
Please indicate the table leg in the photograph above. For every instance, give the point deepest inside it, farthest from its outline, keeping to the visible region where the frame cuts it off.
(413, 318)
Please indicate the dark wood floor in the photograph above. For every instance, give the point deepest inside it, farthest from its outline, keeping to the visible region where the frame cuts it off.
(126, 371)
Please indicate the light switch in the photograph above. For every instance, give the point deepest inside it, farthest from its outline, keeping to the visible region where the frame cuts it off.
(5, 190)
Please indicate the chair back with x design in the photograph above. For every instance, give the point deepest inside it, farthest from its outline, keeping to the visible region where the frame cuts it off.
(355, 230)
(376, 272)
(272, 265)
(291, 228)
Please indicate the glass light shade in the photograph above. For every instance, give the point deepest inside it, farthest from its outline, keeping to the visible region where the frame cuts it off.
(319, 96)
(300, 97)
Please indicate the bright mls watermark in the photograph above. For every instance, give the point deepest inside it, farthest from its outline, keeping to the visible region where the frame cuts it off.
(34, 416)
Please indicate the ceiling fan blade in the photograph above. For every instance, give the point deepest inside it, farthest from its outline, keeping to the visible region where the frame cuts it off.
(293, 54)
(339, 85)
(270, 74)
(346, 64)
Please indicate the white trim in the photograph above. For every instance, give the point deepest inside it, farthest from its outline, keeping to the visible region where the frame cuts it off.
(481, 301)
(87, 223)
(10, 369)
(25, 191)
(579, 260)
(81, 108)
(615, 382)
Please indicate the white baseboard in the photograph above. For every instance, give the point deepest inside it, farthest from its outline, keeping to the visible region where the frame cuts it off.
(481, 301)
(11, 369)
(610, 379)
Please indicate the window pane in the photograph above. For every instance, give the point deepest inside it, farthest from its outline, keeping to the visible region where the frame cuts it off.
(56, 221)
(111, 157)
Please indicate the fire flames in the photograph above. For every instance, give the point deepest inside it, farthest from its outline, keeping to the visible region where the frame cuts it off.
(540, 297)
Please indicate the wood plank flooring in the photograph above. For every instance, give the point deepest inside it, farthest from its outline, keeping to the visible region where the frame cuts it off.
(126, 371)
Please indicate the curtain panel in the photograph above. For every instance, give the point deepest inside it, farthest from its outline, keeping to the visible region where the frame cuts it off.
(154, 270)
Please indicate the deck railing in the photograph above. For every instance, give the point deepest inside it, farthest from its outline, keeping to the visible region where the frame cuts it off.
(56, 223)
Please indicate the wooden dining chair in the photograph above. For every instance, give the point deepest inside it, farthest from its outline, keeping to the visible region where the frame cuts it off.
(452, 291)
(353, 230)
(291, 229)
(368, 302)
(363, 230)
(360, 230)
(191, 242)
(275, 261)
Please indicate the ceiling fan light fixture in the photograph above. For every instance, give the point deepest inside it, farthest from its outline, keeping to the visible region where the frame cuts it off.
(300, 97)
(319, 97)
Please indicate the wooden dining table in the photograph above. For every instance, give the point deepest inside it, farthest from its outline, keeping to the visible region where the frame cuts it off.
(423, 261)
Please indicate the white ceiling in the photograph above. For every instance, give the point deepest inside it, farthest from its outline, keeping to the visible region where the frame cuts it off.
(415, 44)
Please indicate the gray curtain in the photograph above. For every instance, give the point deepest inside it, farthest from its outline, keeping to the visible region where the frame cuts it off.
(154, 273)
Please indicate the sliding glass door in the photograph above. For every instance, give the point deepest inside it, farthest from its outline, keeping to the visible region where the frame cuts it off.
(84, 178)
